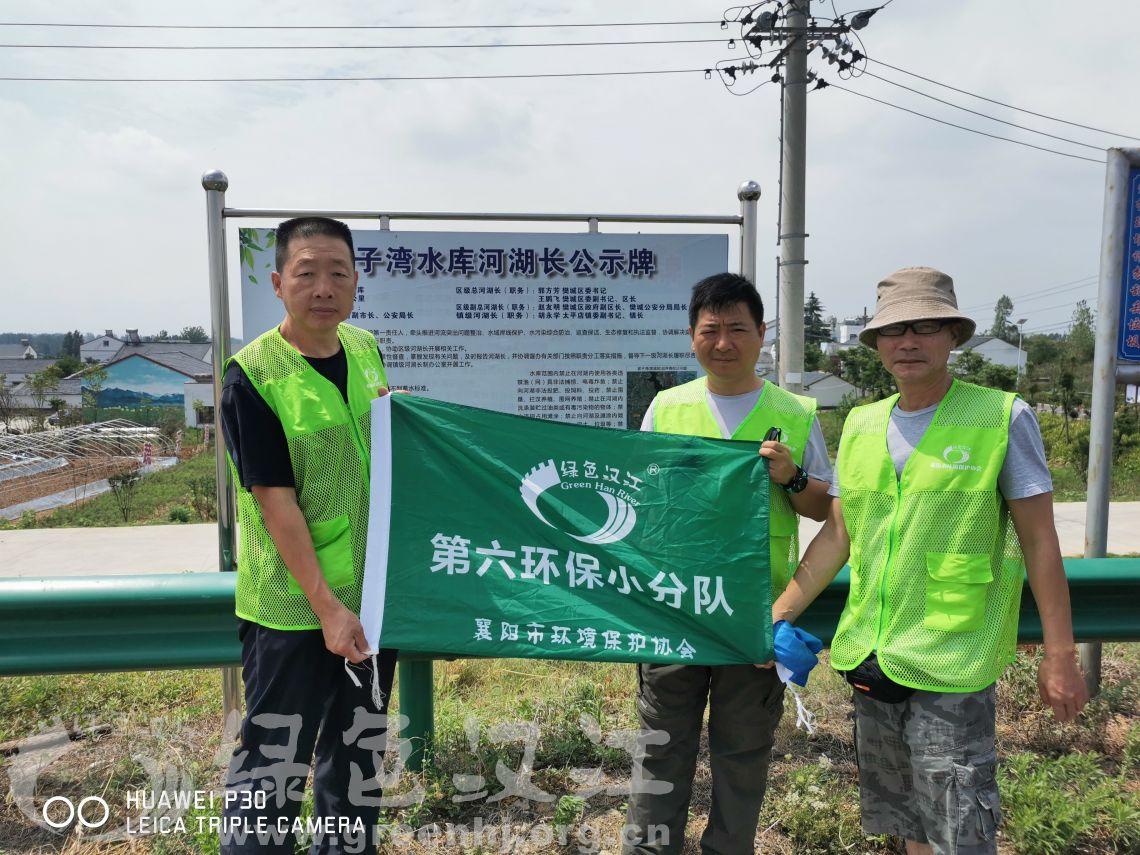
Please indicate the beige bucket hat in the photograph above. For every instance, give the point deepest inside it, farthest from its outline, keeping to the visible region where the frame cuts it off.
(915, 294)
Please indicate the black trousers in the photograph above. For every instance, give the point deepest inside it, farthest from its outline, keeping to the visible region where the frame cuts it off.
(300, 701)
(745, 705)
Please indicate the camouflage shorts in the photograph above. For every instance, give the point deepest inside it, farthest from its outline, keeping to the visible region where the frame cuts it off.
(926, 769)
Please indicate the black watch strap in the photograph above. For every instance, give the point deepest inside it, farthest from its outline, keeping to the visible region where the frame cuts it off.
(798, 483)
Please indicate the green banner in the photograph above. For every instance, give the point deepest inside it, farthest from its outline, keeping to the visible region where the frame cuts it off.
(504, 536)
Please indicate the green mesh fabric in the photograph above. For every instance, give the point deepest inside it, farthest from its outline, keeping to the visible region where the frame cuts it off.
(328, 447)
(913, 652)
(941, 609)
(684, 409)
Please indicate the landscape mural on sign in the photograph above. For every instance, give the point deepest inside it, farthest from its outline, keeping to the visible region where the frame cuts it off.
(138, 382)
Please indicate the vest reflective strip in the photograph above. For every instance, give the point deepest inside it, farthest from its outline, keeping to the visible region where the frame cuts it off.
(936, 569)
(329, 450)
(685, 410)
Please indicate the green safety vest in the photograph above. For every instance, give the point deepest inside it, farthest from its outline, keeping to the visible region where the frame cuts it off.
(685, 410)
(936, 566)
(329, 447)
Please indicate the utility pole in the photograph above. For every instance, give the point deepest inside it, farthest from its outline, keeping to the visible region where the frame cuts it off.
(793, 189)
(787, 29)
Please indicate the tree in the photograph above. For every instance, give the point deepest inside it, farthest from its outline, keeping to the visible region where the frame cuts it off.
(72, 341)
(972, 367)
(1082, 334)
(814, 360)
(816, 329)
(1065, 394)
(194, 334)
(862, 368)
(90, 387)
(123, 484)
(65, 366)
(39, 385)
(1002, 328)
(7, 403)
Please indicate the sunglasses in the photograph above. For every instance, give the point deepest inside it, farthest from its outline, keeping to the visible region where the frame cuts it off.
(927, 327)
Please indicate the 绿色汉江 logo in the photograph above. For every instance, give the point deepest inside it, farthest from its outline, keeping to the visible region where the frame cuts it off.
(617, 489)
(956, 455)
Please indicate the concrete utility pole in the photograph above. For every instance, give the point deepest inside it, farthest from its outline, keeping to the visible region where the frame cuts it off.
(792, 189)
(793, 32)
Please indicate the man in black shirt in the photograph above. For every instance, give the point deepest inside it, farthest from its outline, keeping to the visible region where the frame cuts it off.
(295, 417)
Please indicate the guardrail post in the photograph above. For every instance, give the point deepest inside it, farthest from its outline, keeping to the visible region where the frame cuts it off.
(1114, 231)
(416, 685)
(215, 184)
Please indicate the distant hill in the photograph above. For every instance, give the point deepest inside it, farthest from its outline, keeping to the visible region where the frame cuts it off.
(127, 399)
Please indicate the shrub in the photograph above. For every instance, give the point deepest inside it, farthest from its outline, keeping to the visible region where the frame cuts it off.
(179, 514)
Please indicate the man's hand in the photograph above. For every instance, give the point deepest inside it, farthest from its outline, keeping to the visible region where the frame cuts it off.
(344, 634)
(781, 466)
(1061, 685)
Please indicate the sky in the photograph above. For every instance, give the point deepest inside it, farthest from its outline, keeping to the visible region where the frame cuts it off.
(104, 226)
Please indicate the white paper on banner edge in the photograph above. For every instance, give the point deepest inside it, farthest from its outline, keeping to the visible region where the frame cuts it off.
(379, 524)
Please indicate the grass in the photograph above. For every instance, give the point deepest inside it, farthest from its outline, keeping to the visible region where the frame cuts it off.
(1071, 788)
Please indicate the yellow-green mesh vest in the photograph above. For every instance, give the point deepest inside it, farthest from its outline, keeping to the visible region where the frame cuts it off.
(685, 410)
(936, 567)
(329, 447)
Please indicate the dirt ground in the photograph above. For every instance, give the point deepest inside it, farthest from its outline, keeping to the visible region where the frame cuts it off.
(80, 471)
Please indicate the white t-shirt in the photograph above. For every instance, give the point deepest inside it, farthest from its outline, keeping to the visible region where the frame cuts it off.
(1024, 473)
(730, 411)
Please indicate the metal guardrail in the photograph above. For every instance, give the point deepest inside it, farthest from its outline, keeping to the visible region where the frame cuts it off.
(81, 624)
(163, 621)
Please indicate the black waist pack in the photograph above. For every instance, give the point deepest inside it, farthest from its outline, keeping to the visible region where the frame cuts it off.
(868, 679)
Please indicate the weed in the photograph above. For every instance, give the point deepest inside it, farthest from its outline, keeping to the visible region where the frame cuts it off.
(179, 514)
(817, 808)
(1066, 804)
(567, 812)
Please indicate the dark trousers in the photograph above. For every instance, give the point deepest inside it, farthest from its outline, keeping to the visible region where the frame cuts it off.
(745, 705)
(299, 702)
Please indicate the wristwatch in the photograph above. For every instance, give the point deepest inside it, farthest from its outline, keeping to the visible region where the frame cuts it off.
(798, 483)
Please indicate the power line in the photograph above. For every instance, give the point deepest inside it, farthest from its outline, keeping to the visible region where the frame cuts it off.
(1083, 283)
(974, 112)
(1000, 103)
(1056, 327)
(344, 79)
(364, 47)
(963, 127)
(349, 26)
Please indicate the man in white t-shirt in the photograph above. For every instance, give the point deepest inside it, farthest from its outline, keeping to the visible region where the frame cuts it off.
(943, 502)
(726, 324)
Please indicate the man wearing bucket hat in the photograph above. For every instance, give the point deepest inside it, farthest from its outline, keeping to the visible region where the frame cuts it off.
(944, 500)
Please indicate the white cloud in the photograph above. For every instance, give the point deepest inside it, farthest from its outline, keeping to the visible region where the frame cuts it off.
(105, 225)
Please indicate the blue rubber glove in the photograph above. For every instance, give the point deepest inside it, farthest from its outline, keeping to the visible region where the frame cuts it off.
(796, 650)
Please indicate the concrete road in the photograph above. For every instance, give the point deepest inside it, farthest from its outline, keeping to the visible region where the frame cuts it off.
(179, 548)
(1123, 528)
(108, 551)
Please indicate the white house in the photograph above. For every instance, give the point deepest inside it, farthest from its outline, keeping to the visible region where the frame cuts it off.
(201, 392)
(23, 350)
(101, 348)
(996, 350)
(827, 389)
(15, 371)
(849, 329)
